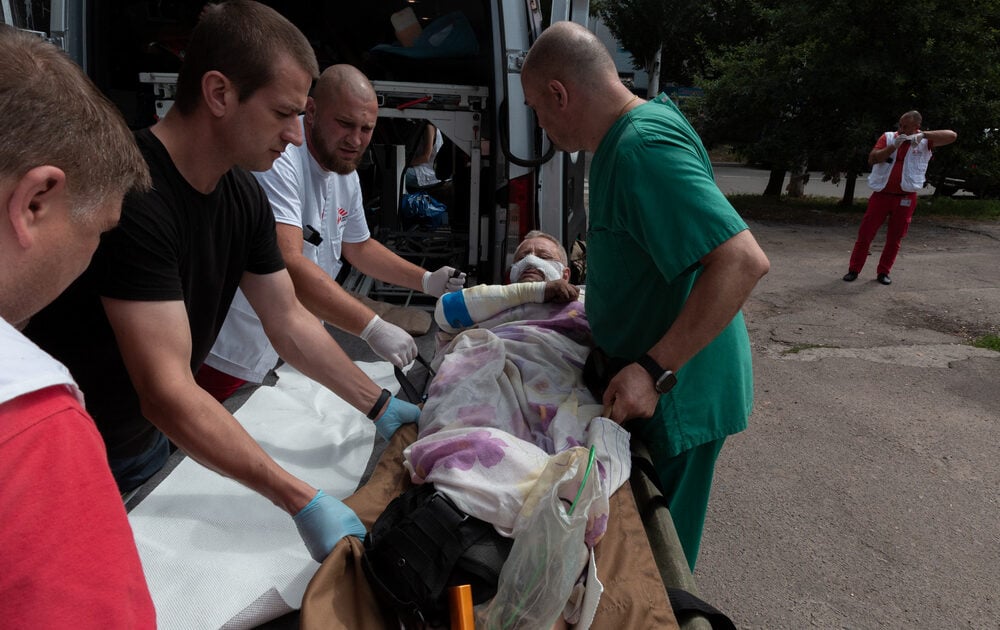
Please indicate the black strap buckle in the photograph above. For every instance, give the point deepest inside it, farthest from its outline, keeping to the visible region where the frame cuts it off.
(408, 388)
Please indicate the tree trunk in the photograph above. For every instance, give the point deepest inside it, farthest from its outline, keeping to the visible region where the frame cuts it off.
(774, 182)
(653, 86)
(849, 186)
(797, 181)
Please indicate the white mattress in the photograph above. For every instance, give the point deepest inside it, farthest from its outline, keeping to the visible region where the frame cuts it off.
(216, 554)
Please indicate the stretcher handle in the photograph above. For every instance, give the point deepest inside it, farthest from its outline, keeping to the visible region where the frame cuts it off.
(460, 604)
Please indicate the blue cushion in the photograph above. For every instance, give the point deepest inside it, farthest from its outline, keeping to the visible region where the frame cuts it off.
(449, 36)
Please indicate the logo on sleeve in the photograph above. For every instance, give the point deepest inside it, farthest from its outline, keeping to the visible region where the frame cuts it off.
(341, 215)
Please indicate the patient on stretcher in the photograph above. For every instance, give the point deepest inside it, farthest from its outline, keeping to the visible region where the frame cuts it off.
(508, 419)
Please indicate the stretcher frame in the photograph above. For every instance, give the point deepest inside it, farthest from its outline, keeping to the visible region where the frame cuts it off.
(663, 541)
(657, 523)
(332, 597)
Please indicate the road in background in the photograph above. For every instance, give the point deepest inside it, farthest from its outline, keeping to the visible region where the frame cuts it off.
(735, 178)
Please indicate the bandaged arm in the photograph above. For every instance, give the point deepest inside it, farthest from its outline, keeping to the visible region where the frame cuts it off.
(461, 309)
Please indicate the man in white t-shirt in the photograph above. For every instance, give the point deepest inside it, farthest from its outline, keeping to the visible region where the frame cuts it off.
(315, 194)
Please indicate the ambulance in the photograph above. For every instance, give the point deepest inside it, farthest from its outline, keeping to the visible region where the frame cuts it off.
(452, 63)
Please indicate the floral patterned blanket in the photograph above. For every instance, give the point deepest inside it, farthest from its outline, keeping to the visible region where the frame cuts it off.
(508, 401)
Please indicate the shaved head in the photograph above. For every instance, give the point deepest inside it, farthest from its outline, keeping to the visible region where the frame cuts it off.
(570, 53)
(913, 116)
(340, 118)
(343, 80)
(571, 83)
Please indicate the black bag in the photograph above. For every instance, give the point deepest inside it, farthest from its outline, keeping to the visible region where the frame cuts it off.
(422, 544)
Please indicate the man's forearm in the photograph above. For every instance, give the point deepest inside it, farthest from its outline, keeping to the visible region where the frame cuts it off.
(376, 260)
(326, 299)
(202, 428)
(461, 309)
(302, 341)
(880, 155)
(940, 137)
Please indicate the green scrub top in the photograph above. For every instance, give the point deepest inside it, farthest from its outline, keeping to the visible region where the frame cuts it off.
(655, 212)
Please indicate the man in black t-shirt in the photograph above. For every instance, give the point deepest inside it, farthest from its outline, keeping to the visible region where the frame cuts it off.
(142, 319)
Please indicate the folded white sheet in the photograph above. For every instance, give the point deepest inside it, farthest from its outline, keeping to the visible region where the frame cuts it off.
(218, 555)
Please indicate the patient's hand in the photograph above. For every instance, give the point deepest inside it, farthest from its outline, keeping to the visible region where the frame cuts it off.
(560, 291)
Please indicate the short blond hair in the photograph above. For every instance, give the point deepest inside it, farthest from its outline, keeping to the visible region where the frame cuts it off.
(54, 115)
(549, 237)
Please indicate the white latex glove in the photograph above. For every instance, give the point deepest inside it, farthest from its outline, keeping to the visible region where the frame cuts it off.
(444, 280)
(917, 137)
(900, 139)
(390, 342)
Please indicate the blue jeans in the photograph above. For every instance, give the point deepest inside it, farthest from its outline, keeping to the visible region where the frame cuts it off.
(132, 472)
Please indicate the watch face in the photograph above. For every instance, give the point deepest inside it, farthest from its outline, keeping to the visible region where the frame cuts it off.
(663, 380)
(666, 382)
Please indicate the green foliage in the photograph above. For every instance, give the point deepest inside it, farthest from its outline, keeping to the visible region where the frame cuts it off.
(759, 207)
(990, 342)
(821, 80)
(685, 30)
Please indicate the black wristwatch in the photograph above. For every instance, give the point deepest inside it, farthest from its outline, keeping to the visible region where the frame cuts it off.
(663, 380)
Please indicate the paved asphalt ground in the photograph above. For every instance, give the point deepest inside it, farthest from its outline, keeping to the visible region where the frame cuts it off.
(866, 491)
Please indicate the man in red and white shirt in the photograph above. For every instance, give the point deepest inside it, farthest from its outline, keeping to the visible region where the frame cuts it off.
(315, 194)
(67, 555)
(899, 164)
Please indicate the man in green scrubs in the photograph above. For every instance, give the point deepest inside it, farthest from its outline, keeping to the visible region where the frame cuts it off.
(669, 265)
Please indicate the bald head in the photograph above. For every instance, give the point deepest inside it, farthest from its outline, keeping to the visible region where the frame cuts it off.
(570, 53)
(571, 83)
(340, 118)
(914, 117)
(343, 80)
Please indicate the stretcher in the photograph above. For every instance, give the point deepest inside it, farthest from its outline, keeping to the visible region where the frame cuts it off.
(638, 558)
(216, 555)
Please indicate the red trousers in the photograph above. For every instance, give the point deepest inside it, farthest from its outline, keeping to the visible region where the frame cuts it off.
(899, 210)
(219, 384)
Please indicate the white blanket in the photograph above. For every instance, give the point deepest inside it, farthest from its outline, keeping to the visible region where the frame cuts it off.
(508, 396)
(507, 415)
(216, 554)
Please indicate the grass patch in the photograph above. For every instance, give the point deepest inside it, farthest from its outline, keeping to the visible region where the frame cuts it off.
(990, 342)
(817, 208)
(826, 204)
(978, 209)
(801, 209)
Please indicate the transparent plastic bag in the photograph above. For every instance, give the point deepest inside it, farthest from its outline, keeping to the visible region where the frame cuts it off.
(549, 552)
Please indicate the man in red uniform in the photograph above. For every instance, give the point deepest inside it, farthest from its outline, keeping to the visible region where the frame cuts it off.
(899, 164)
(67, 555)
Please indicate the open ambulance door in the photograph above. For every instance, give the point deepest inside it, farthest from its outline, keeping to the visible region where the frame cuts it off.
(545, 187)
(62, 22)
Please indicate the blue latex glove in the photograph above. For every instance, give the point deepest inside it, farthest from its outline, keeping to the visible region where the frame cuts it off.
(397, 413)
(323, 522)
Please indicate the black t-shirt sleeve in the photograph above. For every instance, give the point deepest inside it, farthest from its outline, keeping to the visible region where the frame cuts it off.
(138, 260)
(264, 255)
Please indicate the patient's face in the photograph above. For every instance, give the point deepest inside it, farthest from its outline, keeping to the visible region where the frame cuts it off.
(544, 249)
